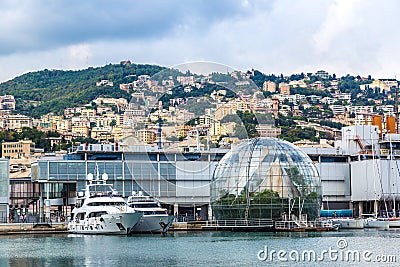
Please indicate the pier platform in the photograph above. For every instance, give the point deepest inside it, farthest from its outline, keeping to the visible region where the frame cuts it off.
(261, 225)
(239, 225)
(304, 226)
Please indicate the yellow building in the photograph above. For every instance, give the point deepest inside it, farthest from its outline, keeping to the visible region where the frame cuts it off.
(101, 133)
(231, 108)
(16, 122)
(284, 88)
(215, 129)
(54, 121)
(85, 112)
(147, 136)
(384, 84)
(269, 86)
(267, 130)
(80, 131)
(16, 150)
(63, 126)
(182, 130)
(242, 106)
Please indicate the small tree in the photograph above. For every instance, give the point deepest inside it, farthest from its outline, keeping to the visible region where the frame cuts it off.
(113, 123)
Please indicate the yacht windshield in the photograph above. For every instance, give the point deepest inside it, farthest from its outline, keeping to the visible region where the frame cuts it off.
(97, 214)
(145, 205)
(150, 212)
(118, 203)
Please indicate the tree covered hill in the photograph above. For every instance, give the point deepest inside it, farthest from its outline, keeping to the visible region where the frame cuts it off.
(45, 91)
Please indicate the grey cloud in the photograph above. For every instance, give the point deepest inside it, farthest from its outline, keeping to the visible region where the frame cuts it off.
(359, 37)
(46, 24)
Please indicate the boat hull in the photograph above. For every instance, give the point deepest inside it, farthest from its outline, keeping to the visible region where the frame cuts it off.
(112, 224)
(349, 224)
(376, 224)
(394, 223)
(154, 223)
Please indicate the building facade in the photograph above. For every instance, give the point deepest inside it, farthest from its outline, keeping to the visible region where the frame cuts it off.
(16, 122)
(16, 150)
(4, 192)
(181, 181)
(359, 173)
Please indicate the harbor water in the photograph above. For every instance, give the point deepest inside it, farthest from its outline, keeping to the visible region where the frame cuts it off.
(341, 248)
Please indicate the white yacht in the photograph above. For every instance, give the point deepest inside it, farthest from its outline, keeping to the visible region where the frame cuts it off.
(371, 222)
(100, 210)
(394, 222)
(348, 223)
(155, 219)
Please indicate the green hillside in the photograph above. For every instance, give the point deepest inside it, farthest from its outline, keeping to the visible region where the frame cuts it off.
(45, 91)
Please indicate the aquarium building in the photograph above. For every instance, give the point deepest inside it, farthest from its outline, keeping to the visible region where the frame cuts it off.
(265, 178)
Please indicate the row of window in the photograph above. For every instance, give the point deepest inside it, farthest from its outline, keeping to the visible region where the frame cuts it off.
(12, 145)
(7, 151)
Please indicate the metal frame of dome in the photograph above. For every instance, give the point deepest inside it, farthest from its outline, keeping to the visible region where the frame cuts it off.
(131, 141)
(265, 178)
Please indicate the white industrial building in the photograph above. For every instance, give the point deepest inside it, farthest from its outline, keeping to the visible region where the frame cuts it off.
(361, 172)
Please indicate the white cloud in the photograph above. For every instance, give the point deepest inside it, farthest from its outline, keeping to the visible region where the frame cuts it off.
(79, 54)
(341, 17)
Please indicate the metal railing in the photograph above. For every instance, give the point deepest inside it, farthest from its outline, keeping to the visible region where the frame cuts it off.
(241, 223)
(302, 224)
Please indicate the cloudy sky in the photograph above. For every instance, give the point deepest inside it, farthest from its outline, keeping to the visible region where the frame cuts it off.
(283, 36)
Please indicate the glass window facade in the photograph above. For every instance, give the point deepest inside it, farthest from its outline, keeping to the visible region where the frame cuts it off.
(22, 191)
(173, 181)
(4, 180)
(4, 189)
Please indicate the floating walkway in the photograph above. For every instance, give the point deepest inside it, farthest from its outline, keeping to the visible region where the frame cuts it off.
(260, 225)
(268, 225)
(304, 226)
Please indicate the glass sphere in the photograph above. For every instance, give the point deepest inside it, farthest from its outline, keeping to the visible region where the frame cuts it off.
(265, 178)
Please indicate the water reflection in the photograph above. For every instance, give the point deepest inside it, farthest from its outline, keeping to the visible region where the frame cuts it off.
(181, 248)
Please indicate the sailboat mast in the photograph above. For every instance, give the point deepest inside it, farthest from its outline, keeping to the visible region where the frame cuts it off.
(396, 105)
(397, 131)
(373, 174)
(391, 177)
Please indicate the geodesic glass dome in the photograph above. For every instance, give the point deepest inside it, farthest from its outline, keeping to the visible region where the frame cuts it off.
(265, 178)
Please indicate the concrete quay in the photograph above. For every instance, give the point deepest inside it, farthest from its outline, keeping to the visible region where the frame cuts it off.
(61, 228)
(187, 226)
